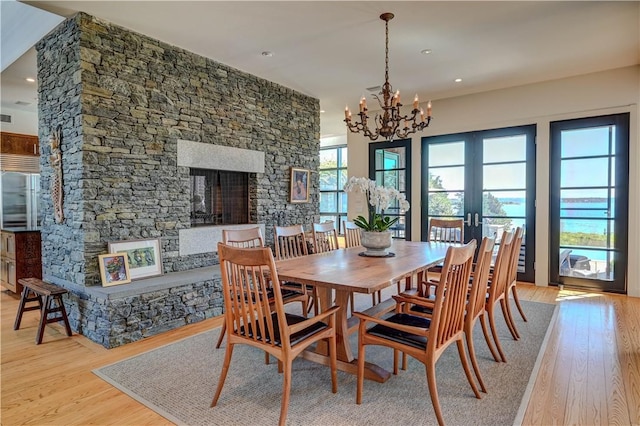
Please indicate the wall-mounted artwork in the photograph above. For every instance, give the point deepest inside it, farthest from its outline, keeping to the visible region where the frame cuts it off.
(299, 185)
(144, 256)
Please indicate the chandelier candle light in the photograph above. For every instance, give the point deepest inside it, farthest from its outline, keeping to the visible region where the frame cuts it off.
(376, 237)
(389, 123)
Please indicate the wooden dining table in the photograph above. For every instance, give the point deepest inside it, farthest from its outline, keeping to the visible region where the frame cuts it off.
(346, 271)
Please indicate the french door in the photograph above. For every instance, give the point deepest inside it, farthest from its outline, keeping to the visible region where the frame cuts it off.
(390, 166)
(589, 202)
(486, 178)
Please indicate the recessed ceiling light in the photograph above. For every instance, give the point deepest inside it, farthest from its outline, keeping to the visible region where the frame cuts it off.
(425, 51)
(30, 80)
(321, 111)
(267, 53)
(458, 80)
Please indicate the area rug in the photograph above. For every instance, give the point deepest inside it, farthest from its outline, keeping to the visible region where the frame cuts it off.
(178, 382)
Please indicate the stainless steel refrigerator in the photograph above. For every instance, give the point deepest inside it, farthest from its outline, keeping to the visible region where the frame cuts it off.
(20, 188)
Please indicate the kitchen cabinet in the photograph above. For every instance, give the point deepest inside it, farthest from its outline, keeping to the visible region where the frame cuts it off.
(18, 144)
(20, 257)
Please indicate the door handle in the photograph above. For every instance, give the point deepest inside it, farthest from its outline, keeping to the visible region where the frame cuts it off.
(468, 220)
(477, 220)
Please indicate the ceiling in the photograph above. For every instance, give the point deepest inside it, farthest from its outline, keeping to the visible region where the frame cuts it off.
(334, 50)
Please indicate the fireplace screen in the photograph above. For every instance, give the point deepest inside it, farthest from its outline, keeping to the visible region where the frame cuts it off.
(219, 197)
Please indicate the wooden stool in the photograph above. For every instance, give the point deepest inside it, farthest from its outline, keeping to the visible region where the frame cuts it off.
(43, 293)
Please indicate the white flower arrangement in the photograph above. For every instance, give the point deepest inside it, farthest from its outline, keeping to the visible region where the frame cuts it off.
(379, 198)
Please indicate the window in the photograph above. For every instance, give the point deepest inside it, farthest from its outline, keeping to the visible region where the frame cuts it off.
(219, 197)
(333, 176)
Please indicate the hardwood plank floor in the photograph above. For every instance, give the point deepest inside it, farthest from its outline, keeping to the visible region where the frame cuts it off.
(590, 373)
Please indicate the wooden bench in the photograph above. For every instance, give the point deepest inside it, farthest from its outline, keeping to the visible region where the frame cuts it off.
(44, 293)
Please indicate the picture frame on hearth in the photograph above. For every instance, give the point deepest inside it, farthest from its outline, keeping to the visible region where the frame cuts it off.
(299, 190)
(114, 269)
(144, 256)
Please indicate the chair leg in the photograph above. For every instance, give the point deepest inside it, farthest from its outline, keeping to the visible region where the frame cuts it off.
(223, 374)
(504, 305)
(352, 300)
(465, 366)
(430, 367)
(472, 355)
(223, 330)
(511, 320)
(517, 300)
(333, 363)
(360, 381)
(286, 392)
(494, 333)
(485, 331)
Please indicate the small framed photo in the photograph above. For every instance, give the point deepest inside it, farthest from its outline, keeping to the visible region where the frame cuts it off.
(299, 185)
(144, 256)
(114, 269)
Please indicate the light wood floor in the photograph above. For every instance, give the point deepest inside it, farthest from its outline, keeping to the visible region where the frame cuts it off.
(590, 373)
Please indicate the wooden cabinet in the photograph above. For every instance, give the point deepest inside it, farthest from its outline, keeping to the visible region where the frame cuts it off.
(15, 143)
(20, 258)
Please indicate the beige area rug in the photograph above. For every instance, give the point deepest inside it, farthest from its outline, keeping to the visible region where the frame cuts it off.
(178, 382)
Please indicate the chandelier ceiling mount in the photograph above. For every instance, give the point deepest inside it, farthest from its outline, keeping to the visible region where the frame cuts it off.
(389, 122)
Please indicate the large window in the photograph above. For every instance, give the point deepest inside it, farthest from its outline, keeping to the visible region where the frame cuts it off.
(333, 176)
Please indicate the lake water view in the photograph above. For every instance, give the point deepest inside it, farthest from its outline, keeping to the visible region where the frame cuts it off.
(572, 218)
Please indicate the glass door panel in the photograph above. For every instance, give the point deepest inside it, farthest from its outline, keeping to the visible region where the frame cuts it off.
(486, 178)
(588, 221)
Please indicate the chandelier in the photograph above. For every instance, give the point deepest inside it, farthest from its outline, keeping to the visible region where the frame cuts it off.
(389, 123)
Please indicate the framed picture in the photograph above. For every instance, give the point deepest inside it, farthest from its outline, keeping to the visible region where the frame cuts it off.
(144, 256)
(114, 269)
(299, 185)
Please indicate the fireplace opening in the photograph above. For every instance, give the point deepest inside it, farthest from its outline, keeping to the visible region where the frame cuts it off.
(219, 197)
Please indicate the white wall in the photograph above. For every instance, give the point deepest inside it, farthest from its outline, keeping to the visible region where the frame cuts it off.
(21, 121)
(608, 92)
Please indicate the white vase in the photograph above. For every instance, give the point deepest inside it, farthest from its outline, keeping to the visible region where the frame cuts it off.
(376, 243)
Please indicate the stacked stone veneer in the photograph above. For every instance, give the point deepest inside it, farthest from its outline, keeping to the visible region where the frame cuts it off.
(123, 100)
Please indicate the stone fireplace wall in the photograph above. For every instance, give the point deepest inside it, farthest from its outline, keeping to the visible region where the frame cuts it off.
(122, 101)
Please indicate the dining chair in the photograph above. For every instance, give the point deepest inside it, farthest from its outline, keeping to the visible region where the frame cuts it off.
(476, 303)
(252, 238)
(290, 242)
(249, 282)
(496, 293)
(475, 306)
(510, 288)
(325, 237)
(425, 339)
(351, 234)
(445, 231)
